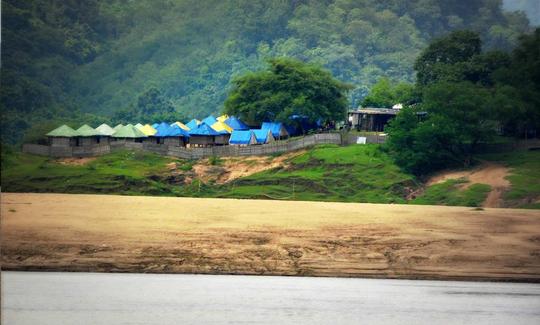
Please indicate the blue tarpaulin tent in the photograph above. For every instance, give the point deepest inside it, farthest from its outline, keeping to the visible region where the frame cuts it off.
(263, 135)
(236, 124)
(246, 137)
(155, 125)
(177, 131)
(162, 130)
(277, 129)
(210, 120)
(204, 129)
(193, 124)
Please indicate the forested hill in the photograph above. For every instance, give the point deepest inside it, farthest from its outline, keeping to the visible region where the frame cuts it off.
(63, 58)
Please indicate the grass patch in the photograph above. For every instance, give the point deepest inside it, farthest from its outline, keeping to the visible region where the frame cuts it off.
(450, 193)
(123, 172)
(358, 173)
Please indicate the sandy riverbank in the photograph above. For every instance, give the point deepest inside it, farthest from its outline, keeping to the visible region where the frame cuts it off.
(106, 233)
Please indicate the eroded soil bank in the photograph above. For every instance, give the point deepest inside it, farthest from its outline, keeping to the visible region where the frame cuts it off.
(106, 233)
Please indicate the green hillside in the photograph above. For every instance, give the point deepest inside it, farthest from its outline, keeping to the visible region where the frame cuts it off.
(358, 173)
(64, 59)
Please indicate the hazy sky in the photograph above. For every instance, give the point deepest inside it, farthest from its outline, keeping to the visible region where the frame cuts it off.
(531, 8)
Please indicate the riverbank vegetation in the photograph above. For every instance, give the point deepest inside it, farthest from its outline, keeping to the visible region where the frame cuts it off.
(358, 173)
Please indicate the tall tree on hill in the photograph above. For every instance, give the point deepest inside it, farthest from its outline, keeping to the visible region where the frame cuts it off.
(288, 87)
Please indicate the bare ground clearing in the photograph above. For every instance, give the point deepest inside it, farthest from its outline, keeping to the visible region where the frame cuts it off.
(106, 233)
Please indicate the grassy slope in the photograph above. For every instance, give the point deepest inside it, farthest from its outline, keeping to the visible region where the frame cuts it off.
(449, 193)
(359, 173)
(122, 172)
(329, 173)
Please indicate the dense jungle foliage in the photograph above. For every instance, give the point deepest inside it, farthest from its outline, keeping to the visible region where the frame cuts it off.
(86, 61)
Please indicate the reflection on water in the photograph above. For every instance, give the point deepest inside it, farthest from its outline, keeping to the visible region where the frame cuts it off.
(89, 298)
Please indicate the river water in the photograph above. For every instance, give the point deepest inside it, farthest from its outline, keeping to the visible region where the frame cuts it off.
(91, 298)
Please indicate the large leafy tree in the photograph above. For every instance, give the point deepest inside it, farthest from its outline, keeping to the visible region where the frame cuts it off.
(288, 87)
(386, 93)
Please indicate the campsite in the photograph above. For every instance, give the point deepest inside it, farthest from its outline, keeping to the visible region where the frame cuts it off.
(270, 162)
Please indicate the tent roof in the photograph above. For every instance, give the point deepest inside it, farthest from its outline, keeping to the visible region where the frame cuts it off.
(128, 131)
(118, 126)
(193, 124)
(87, 131)
(275, 127)
(210, 119)
(147, 129)
(155, 125)
(262, 135)
(105, 129)
(241, 137)
(221, 127)
(181, 125)
(204, 129)
(236, 124)
(176, 131)
(162, 130)
(63, 131)
(138, 125)
(222, 118)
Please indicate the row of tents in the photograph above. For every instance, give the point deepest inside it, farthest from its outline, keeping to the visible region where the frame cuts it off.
(210, 131)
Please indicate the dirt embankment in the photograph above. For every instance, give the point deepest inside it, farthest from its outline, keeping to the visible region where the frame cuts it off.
(489, 173)
(183, 235)
(231, 168)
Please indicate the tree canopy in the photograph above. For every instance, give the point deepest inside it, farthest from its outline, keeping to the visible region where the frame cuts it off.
(466, 97)
(63, 58)
(288, 87)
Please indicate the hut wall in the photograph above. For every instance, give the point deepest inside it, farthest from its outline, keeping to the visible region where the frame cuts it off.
(222, 139)
(60, 141)
(174, 141)
(198, 140)
(87, 141)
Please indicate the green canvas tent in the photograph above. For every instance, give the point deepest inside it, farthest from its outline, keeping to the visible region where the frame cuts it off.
(118, 126)
(88, 131)
(129, 131)
(63, 131)
(104, 129)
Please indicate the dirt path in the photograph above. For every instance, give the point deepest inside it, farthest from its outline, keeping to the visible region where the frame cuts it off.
(106, 233)
(489, 173)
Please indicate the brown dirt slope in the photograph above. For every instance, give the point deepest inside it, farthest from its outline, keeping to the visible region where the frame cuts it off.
(489, 173)
(183, 235)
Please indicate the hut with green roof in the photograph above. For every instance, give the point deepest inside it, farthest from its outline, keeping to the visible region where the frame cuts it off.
(129, 133)
(88, 136)
(62, 136)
